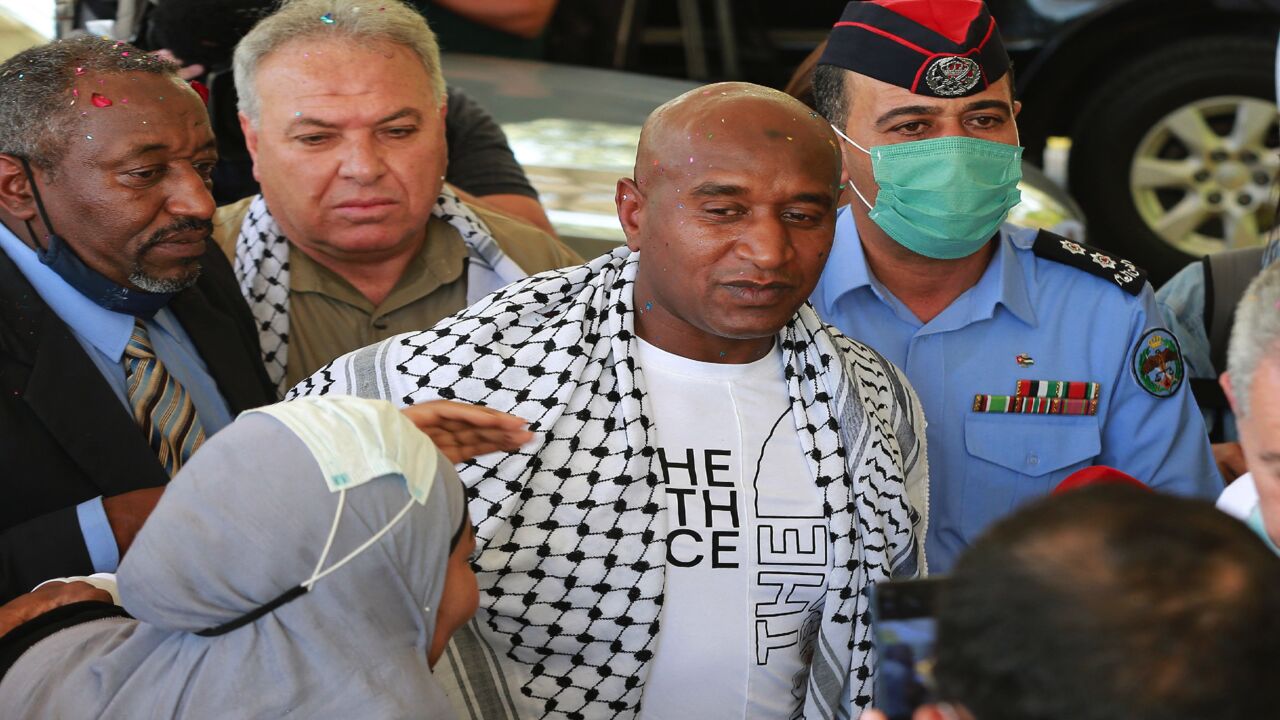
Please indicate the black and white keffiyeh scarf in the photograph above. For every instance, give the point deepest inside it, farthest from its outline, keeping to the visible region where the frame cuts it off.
(572, 528)
(262, 267)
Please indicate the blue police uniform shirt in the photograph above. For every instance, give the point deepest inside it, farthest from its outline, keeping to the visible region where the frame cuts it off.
(104, 334)
(1075, 326)
(1182, 303)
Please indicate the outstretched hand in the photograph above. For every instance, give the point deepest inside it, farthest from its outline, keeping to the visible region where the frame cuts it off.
(462, 431)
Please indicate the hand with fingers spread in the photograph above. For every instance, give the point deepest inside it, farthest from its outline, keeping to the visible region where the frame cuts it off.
(463, 431)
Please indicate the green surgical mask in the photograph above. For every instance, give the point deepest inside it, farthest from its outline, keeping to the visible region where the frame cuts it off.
(944, 197)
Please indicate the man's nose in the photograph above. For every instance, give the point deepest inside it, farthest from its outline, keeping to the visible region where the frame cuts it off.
(190, 196)
(363, 161)
(766, 242)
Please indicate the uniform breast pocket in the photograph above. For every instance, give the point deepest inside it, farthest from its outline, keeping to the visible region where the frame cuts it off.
(1015, 458)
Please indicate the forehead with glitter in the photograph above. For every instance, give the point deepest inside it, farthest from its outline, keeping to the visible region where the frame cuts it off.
(715, 125)
(47, 91)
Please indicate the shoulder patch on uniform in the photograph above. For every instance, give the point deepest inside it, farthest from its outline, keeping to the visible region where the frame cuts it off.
(1156, 362)
(1096, 261)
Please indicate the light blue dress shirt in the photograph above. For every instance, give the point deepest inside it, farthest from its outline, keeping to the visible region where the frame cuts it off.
(1181, 301)
(104, 334)
(1076, 327)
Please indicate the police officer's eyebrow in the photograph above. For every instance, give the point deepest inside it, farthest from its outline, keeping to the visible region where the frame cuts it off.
(908, 110)
(898, 112)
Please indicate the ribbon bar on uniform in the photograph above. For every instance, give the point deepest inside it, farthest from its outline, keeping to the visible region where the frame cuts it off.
(1060, 389)
(1035, 405)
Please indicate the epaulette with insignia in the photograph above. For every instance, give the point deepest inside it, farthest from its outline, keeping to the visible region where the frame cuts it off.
(1092, 260)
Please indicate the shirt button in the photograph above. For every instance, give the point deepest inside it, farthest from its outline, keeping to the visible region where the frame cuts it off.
(379, 324)
(1033, 459)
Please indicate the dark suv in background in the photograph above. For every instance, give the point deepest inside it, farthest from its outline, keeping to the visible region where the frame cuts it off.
(1170, 104)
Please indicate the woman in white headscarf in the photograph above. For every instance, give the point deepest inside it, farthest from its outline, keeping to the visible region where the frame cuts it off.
(310, 560)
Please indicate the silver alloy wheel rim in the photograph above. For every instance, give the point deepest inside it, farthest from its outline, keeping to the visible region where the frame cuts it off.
(1202, 177)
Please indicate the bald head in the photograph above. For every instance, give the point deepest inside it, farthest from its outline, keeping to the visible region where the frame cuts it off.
(743, 117)
(732, 208)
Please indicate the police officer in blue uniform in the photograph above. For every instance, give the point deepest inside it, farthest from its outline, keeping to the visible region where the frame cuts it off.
(1034, 355)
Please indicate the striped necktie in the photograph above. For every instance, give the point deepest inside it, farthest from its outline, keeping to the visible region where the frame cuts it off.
(161, 406)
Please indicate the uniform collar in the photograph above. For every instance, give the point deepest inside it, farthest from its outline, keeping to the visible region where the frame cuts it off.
(1003, 282)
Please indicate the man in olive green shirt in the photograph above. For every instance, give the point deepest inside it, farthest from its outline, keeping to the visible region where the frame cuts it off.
(355, 236)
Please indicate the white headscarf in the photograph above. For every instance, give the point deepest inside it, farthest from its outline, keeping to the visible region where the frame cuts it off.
(243, 522)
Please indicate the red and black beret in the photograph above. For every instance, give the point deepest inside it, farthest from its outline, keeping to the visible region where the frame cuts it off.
(939, 48)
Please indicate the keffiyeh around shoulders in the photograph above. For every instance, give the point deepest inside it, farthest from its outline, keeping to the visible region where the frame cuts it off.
(262, 269)
(571, 527)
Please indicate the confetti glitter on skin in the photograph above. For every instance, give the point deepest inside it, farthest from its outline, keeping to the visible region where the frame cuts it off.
(88, 137)
(327, 19)
(297, 113)
(101, 101)
(79, 71)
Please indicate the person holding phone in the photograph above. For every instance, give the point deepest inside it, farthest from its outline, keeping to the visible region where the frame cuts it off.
(1104, 603)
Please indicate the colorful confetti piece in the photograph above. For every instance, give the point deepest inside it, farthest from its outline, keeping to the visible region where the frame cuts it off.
(101, 101)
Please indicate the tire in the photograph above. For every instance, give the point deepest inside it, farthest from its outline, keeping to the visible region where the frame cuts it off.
(1142, 185)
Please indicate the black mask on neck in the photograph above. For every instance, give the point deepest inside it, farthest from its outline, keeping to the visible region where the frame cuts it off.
(60, 258)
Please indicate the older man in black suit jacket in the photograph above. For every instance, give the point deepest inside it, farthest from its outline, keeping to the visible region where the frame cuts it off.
(124, 340)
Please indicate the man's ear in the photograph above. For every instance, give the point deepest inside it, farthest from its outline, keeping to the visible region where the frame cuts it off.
(630, 210)
(15, 189)
(1225, 381)
(250, 141)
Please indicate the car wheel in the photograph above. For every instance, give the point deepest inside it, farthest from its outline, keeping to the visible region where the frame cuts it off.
(1175, 156)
